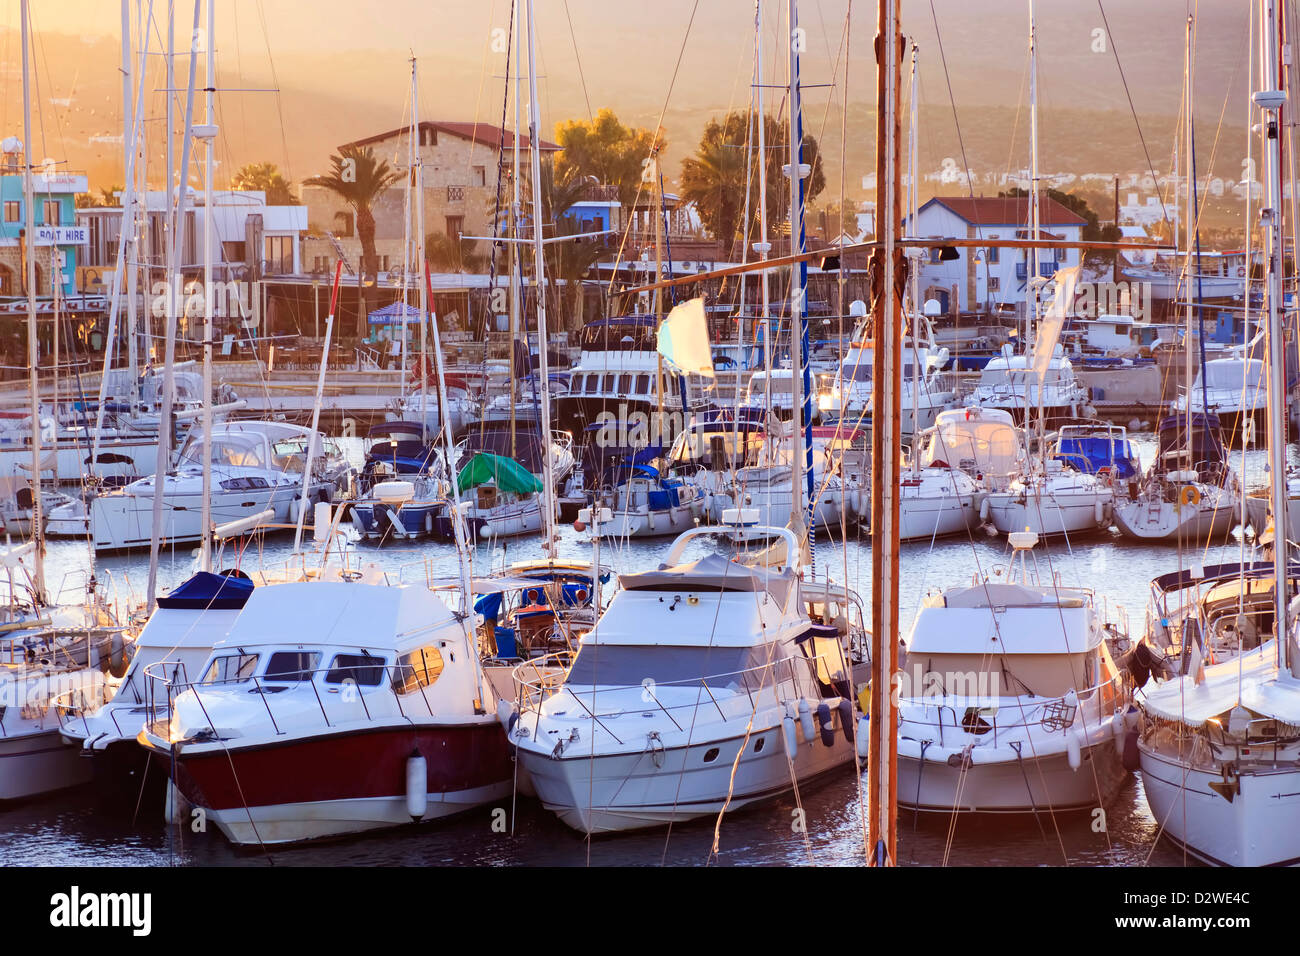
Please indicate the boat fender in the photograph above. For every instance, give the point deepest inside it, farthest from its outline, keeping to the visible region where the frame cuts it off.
(827, 725)
(864, 736)
(805, 719)
(1132, 762)
(1073, 751)
(1132, 718)
(846, 719)
(417, 786)
(507, 715)
(1117, 731)
(787, 728)
(984, 510)
(428, 523)
(117, 659)
(1098, 512)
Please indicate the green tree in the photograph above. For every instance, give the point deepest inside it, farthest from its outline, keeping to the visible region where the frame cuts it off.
(714, 178)
(267, 178)
(452, 254)
(105, 197)
(615, 154)
(1093, 230)
(358, 178)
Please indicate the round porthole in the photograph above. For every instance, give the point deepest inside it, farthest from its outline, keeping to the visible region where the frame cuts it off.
(758, 745)
(711, 755)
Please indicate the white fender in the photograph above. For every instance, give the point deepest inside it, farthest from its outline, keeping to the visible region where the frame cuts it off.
(322, 519)
(1117, 732)
(417, 786)
(864, 737)
(787, 728)
(806, 719)
(1098, 511)
(984, 510)
(1073, 751)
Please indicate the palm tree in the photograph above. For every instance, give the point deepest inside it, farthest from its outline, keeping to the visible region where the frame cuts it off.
(452, 254)
(714, 178)
(358, 178)
(267, 178)
(106, 197)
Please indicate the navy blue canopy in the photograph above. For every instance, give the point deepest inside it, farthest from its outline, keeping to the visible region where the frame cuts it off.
(208, 591)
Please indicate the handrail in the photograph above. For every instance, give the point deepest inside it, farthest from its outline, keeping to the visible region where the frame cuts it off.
(395, 677)
(1025, 713)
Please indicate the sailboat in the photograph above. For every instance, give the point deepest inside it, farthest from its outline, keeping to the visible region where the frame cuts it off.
(1219, 747)
(45, 649)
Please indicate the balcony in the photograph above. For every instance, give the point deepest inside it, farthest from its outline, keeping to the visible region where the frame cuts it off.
(456, 193)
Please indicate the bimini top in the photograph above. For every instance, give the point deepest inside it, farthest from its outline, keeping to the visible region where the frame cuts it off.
(713, 572)
(206, 591)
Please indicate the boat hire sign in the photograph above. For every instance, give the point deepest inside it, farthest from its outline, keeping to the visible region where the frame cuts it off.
(62, 235)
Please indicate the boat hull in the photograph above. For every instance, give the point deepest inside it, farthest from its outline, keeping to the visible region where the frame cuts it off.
(1166, 522)
(347, 782)
(40, 762)
(631, 791)
(1056, 513)
(1046, 783)
(1256, 828)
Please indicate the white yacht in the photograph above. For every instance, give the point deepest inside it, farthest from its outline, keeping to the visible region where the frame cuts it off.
(926, 390)
(256, 466)
(316, 681)
(1011, 702)
(1010, 384)
(705, 686)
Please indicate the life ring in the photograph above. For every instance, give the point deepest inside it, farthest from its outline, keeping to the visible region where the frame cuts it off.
(533, 596)
(1241, 272)
(1189, 495)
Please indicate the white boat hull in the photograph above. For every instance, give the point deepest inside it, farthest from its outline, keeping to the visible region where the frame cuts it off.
(1164, 520)
(1043, 783)
(123, 520)
(1050, 513)
(628, 791)
(39, 762)
(1256, 828)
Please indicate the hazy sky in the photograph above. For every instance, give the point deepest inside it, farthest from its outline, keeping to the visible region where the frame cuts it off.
(342, 68)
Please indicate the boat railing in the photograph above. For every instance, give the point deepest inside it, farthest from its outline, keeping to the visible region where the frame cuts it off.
(1052, 714)
(402, 681)
(534, 685)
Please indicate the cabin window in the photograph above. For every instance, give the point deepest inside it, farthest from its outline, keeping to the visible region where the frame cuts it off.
(361, 669)
(758, 745)
(420, 668)
(291, 667)
(643, 385)
(609, 384)
(711, 755)
(230, 668)
(624, 384)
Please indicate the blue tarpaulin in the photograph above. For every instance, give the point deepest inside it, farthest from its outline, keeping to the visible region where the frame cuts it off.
(207, 591)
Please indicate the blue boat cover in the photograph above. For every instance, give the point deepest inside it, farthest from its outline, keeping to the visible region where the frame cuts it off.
(207, 591)
(1090, 453)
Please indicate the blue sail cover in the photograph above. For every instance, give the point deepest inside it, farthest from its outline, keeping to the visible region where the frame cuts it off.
(1090, 453)
(207, 591)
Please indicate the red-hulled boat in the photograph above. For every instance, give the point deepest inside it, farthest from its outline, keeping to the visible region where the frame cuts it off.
(332, 708)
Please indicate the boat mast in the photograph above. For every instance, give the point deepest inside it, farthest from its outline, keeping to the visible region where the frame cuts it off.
(914, 274)
(412, 145)
(886, 387)
(800, 465)
(425, 294)
(539, 278)
(1033, 285)
(208, 135)
(33, 343)
(514, 260)
(165, 424)
(1270, 99)
(1187, 238)
(763, 247)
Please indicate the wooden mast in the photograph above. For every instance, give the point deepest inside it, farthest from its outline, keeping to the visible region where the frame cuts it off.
(886, 389)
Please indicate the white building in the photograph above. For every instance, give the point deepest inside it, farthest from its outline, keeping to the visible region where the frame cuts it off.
(983, 279)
